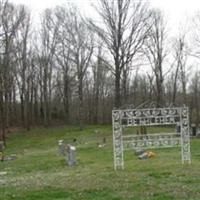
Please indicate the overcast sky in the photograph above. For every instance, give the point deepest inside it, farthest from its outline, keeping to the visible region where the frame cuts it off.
(176, 11)
(175, 8)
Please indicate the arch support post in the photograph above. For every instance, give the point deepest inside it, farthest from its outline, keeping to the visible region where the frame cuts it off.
(117, 140)
(185, 136)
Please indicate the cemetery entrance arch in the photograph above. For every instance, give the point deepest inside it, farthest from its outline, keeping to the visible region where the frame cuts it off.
(150, 117)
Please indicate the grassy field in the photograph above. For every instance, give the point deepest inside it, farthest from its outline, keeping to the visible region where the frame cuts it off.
(39, 173)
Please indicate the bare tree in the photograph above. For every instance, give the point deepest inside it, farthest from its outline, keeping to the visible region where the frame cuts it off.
(195, 95)
(100, 73)
(22, 65)
(123, 31)
(65, 57)
(97, 72)
(156, 53)
(180, 56)
(82, 51)
(49, 40)
(10, 19)
(74, 54)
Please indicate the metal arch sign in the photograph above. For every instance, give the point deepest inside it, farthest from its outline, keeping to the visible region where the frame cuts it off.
(150, 117)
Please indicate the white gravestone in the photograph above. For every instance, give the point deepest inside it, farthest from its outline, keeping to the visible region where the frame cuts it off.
(61, 147)
(71, 155)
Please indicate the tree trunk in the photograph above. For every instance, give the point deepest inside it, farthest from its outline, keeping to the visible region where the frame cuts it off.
(117, 88)
(80, 94)
(66, 98)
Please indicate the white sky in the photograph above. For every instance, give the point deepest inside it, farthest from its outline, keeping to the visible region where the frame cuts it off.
(172, 7)
(176, 11)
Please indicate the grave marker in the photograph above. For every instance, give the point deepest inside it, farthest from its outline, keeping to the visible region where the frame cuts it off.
(71, 155)
(61, 148)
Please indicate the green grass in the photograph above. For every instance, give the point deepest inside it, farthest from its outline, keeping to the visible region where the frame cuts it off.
(39, 173)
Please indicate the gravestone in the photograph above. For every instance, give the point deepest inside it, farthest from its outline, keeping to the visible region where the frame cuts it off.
(71, 155)
(139, 152)
(61, 148)
(11, 157)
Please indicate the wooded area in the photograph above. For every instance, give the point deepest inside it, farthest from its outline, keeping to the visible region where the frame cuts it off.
(70, 69)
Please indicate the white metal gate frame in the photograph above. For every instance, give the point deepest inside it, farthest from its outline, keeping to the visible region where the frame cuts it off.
(150, 117)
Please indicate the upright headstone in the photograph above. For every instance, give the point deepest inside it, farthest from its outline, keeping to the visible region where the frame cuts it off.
(71, 155)
(61, 147)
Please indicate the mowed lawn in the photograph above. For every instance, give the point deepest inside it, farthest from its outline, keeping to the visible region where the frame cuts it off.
(39, 173)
